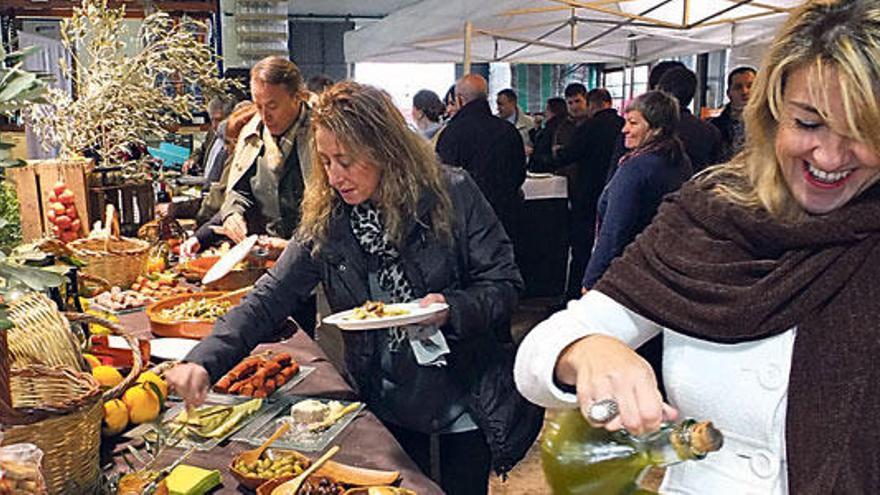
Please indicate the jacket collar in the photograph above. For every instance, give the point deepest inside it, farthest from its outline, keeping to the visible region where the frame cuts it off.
(475, 107)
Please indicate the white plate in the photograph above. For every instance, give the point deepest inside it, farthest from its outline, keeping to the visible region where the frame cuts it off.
(415, 314)
(171, 348)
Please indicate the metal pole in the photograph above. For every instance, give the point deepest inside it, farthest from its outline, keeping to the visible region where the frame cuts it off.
(468, 32)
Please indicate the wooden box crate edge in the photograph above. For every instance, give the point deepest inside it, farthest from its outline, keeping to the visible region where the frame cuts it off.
(33, 183)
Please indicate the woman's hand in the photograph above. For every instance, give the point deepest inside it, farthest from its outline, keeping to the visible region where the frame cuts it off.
(440, 318)
(190, 381)
(274, 245)
(602, 367)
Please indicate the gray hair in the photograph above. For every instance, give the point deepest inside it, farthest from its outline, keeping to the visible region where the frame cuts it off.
(659, 108)
(219, 104)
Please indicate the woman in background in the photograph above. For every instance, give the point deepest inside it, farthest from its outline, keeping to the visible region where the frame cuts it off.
(654, 165)
(427, 111)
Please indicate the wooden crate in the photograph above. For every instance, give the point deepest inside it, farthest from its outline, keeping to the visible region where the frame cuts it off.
(33, 183)
(134, 202)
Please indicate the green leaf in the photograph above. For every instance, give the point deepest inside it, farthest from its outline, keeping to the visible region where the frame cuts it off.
(19, 83)
(34, 278)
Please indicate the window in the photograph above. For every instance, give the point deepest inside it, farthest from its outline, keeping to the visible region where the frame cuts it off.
(625, 83)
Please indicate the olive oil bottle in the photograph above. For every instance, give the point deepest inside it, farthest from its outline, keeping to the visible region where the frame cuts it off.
(581, 460)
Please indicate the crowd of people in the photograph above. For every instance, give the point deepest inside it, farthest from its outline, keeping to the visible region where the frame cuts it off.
(725, 251)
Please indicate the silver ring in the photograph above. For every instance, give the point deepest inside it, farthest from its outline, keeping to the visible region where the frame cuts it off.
(603, 411)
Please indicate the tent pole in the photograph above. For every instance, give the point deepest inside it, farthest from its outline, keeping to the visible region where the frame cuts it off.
(468, 32)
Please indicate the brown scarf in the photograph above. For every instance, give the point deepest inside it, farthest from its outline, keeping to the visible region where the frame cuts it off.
(713, 270)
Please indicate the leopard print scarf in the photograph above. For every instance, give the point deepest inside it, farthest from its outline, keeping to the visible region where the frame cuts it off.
(366, 224)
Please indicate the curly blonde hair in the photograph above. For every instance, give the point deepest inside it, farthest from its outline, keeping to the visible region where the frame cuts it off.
(825, 34)
(369, 127)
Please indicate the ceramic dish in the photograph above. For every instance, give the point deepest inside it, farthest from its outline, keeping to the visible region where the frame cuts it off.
(188, 329)
(414, 313)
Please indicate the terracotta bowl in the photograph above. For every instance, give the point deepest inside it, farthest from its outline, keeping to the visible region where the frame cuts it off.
(252, 482)
(342, 474)
(195, 270)
(188, 329)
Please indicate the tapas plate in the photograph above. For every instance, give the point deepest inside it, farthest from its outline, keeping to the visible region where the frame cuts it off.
(412, 314)
(300, 436)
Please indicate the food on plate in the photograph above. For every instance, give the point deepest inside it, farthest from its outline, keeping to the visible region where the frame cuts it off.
(309, 411)
(196, 309)
(258, 376)
(320, 486)
(216, 421)
(159, 285)
(376, 309)
(279, 463)
(315, 416)
(117, 299)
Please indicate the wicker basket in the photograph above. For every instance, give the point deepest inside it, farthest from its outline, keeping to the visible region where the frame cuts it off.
(117, 260)
(41, 335)
(59, 408)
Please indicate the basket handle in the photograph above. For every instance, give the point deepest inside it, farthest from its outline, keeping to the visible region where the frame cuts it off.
(137, 360)
(102, 283)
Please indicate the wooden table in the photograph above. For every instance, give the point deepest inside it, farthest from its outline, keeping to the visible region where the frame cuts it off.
(365, 442)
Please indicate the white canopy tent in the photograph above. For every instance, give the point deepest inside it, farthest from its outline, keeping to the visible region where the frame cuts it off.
(564, 31)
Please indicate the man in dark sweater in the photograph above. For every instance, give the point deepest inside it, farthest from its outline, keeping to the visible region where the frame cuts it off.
(590, 148)
(730, 122)
(489, 148)
(702, 141)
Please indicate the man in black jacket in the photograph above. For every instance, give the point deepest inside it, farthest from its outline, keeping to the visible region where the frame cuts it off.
(489, 148)
(590, 148)
(701, 140)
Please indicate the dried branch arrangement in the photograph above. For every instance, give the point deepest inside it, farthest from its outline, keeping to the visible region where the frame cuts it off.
(123, 99)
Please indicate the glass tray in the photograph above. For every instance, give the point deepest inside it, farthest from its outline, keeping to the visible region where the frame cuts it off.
(267, 411)
(300, 375)
(296, 439)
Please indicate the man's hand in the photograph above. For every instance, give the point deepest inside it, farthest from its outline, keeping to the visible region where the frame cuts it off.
(439, 319)
(235, 227)
(184, 169)
(190, 381)
(190, 247)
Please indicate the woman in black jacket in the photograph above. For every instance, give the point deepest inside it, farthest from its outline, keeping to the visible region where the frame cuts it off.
(382, 220)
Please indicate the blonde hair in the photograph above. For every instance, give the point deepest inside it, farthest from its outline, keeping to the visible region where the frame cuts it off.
(369, 127)
(824, 34)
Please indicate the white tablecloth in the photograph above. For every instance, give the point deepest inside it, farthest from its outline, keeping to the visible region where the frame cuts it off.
(545, 187)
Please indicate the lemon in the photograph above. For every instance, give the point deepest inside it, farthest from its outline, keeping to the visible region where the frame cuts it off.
(149, 376)
(142, 402)
(93, 361)
(107, 376)
(115, 417)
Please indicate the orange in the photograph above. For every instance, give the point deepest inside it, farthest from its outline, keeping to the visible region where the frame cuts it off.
(143, 403)
(149, 376)
(115, 417)
(107, 376)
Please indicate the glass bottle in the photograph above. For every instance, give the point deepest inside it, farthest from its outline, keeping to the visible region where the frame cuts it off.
(581, 460)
